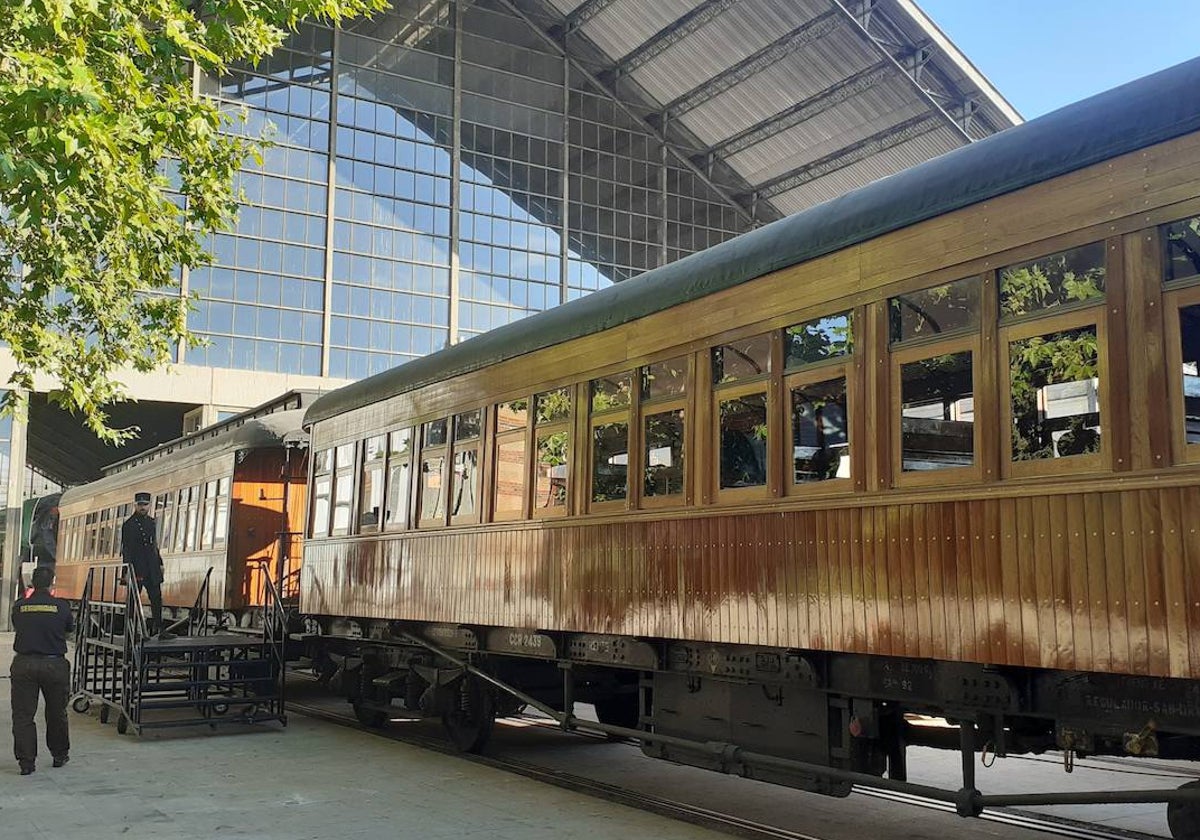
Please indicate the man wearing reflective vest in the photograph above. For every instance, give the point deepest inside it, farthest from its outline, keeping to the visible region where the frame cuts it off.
(40, 667)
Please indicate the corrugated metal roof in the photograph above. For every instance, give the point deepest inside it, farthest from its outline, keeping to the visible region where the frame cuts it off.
(844, 71)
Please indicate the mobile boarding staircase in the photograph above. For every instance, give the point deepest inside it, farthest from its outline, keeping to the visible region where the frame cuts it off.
(202, 676)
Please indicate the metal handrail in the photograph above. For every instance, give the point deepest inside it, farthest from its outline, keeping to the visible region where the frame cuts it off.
(274, 630)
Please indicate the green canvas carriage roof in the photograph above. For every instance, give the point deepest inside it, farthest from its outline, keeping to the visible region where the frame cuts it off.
(1131, 117)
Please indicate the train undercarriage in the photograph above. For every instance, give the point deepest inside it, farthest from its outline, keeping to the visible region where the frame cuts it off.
(813, 720)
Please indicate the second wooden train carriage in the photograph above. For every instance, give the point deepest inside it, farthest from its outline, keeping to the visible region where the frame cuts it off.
(231, 499)
(928, 447)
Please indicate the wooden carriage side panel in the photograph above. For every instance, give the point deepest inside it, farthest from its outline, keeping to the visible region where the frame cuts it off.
(1061, 595)
(1190, 531)
(1175, 595)
(1081, 598)
(1104, 658)
(1041, 547)
(1113, 563)
(1156, 594)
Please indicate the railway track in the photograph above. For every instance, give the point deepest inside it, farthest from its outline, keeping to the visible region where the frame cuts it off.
(727, 823)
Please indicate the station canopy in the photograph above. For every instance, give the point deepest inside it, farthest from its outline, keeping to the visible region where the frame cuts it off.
(781, 104)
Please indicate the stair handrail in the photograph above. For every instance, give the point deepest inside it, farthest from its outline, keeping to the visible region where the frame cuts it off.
(197, 618)
(83, 621)
(274, 628)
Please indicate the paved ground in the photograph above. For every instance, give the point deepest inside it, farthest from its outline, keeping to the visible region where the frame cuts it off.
(312, 780)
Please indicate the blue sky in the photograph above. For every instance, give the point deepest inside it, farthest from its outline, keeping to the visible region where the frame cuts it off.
(1043, 54)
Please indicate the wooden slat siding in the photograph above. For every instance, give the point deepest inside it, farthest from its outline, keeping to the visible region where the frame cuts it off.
(841, 574)
(1135, 583)
(1175, 593)
(1041, 549)
(806, 620)
(895, 565)
(938, 520)
(1102, 642)
(989, 591)
(1030, 649)
(972, 589)
(1011, 582)
(864, 626)
(739, 583)
(1113, 562)
(924, 547)
(1059, 530)
(871, 608)
(1157, 596)
(798, 606)
(1081, 621)
(884, 595)
(1116, 378)
(847, 528)
(1190, 498)
(813, 552)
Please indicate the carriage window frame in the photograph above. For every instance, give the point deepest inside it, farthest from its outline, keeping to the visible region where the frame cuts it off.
(398, 459)
(458, 446)
(1175, 299)
(765, 383)
(652, 406)
(372, 478)
(162, 511)
(1183, 280)
(208, 518)
(345, 466)
(1053, 309)
(427, 452)
(564, 425)
(1059, 320)
(322, 469)
(617, 414)
(916, 351)
(221, 525)
(508, 437)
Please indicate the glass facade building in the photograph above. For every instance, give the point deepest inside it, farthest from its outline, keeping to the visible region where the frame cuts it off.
(434, 172)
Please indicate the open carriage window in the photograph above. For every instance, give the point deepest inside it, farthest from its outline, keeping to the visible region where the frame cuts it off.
(343, 488)
(399, 459)
(318, 523)
(464, 475)
(511, 467)
(431, 498)
(370, 484)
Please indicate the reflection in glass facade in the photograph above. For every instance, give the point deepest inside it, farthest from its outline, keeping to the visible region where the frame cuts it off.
(435, 172)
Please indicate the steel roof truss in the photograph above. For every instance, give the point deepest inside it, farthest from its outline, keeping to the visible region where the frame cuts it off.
(671, 35)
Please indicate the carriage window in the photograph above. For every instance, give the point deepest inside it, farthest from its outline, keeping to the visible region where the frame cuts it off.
(662, 380)
(322, 485)
(663, 451)
(106, 532)
(552, 439)
(742, 359)
(817, 340)
(610, 399)
(664, 386)
(820, 434)
(941, 310)
(743, 442)
(937, 413)
(1054, 380)
(431, 499)
(192, 521)
(1182, 242)
(1064, 279)
(209, 520)
(465, 474)
(162, 503)
(370, 490)
(399, 458)
(221, 535)
(512, 418)
(343, 488)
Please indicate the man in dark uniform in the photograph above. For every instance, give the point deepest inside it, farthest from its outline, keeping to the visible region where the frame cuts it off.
(42, 623)
(139, 548)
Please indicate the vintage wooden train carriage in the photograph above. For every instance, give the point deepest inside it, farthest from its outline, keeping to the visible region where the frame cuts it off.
(232, 499)
(929, 446)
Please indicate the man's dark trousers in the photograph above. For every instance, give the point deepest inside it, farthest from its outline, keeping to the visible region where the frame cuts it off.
(154, 593)
(51, 677)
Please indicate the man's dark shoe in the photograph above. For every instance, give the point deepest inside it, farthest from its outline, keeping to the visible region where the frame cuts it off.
(26, 769)
(60, 761)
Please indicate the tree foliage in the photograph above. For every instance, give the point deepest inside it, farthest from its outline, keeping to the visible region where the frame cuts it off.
(112, 173)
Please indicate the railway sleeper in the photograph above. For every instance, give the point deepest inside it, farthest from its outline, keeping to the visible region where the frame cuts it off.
(813, 720)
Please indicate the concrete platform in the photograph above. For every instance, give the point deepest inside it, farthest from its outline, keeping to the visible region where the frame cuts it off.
(312, 780)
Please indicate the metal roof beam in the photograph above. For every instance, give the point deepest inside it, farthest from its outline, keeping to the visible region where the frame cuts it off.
(804, 110)
(670, 35)
(865, 148)
(560, 46)
(860, 17)
(584, 12)
(807, 33)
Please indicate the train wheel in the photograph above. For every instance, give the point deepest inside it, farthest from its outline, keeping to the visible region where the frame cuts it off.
(81, 704)
(368, 716)
(104, 711)
(1183, 818)
(471, 716)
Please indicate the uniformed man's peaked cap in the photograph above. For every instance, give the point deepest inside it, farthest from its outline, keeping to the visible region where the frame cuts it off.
(141, 498)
